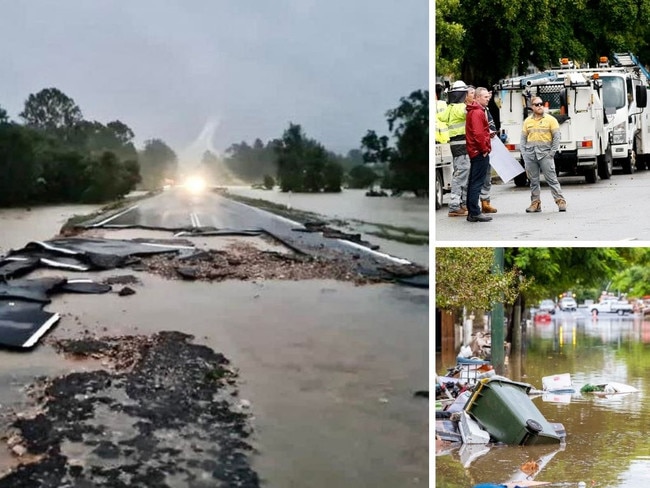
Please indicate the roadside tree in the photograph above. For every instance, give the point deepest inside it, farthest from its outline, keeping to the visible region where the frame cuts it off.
(157, 162)
(51, 109)
(408, 160)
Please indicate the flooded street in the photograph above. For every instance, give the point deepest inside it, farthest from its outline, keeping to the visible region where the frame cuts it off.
(607, 443)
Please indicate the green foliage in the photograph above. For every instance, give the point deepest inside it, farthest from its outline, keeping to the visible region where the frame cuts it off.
(304, 165)
(540, 32)
(269, 182)
(51, 109)
(157, 162)
(17, 165)
(4, 117)
(449, 37)
(361, 176)
(408, 161)
(464, 277)
(557, 269)
(250, 163)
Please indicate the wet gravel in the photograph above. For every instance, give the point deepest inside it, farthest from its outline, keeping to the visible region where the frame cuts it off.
(243, 261)
(163, 412)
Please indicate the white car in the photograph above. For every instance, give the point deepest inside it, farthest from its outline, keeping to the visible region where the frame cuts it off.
(547, 306)
(568, 303)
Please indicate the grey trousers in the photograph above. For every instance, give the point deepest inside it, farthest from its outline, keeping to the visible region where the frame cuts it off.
(545, 166)
(459, 182)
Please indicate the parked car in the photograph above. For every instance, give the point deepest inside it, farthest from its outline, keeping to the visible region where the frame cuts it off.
(568, 304)
(547, 306)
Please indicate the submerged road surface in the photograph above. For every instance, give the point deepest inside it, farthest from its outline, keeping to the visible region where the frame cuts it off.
(323, 370)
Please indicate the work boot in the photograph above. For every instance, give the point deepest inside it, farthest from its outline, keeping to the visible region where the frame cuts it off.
(486, 207)
(478, 218)
(535, 206)
(561, 204)
(459, 212)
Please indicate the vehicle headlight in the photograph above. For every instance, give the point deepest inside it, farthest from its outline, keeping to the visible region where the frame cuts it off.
(195, 184)
(618, 134)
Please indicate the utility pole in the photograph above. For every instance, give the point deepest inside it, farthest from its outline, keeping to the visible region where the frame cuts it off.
(497, 337)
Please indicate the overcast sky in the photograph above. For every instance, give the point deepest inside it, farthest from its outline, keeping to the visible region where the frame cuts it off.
(207, 73)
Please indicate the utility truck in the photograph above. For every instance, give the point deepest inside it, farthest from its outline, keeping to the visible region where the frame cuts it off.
(601, 111)
(612, 305)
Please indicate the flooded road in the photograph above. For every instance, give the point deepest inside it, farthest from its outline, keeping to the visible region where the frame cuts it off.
(607, 444)
(329, 368)
(353, 205)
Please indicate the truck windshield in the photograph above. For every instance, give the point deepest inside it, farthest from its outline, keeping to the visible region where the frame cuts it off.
(613, 92)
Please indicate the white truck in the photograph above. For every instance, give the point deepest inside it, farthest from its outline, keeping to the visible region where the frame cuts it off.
(609, 305)
(599, 129)
(444, 172)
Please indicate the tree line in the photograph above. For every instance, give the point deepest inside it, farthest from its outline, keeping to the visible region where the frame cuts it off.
(55, 155)
(536, 273)
(507, 35)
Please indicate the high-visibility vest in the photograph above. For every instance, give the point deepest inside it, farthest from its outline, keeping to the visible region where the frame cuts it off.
(454, 117)
(442, 131)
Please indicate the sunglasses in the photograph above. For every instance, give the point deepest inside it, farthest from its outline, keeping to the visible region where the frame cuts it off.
(537, 104)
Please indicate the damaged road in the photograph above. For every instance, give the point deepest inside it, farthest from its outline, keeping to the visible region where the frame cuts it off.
(322, 359)
(179, 426)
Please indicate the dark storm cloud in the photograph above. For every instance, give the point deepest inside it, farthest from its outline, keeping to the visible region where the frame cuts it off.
(246, 69)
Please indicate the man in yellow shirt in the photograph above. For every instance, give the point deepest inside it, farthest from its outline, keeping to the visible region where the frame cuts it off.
(540, 140)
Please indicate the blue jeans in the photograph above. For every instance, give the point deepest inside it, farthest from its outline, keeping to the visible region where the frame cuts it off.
(477, 171)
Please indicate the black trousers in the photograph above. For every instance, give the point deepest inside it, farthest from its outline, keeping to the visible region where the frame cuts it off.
(477, 170)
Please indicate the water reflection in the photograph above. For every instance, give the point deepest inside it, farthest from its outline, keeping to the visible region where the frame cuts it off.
(606, 439)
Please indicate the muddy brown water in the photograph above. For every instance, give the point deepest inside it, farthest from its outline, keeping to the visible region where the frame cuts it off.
(329, 367)
(607, 441)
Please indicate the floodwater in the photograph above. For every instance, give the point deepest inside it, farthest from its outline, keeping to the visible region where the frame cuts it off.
(607, 443)
(403, 211)
(329, 367)
(18, 226)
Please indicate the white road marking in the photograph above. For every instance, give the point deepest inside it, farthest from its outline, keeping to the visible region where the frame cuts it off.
(114, 216)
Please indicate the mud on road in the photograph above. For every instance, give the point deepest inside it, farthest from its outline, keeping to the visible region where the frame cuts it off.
(177, 425)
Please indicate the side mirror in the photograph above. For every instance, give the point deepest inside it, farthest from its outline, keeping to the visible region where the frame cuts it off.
(641, 96)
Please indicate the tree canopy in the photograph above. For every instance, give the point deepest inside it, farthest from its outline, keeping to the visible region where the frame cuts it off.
(464, 276)
(408, 158)
(481, 49)
(50, 109)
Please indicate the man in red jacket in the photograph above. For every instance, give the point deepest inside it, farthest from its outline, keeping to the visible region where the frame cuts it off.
(477, 135)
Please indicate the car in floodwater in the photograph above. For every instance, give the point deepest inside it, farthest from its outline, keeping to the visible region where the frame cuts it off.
(547, 306)
(568, 304)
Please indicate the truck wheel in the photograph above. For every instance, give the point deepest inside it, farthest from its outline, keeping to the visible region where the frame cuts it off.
(591, 176)
(629, 164)
(605, 166)
(521, 180)
(620, 311)
(438, 189)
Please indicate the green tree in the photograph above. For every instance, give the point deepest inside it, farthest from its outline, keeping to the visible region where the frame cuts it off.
(157, 162)
(51, 109)
(408, 161)
(539, 32)
(361, 176)
(449, 37)
(4, 117)
(18, 166)
(332, 177)
(304, 164)
(459, 284)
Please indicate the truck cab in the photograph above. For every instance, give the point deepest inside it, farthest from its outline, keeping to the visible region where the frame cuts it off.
(571, 98)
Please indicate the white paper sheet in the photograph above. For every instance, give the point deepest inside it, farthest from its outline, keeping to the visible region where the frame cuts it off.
(506, 166)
